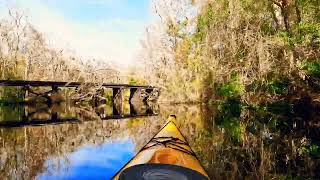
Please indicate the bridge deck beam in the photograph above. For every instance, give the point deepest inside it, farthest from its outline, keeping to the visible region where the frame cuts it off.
(65, 84)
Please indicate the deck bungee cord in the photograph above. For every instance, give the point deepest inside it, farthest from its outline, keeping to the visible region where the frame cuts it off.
(170, 142)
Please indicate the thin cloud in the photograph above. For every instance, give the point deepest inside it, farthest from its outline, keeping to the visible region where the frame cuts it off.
(115, 39)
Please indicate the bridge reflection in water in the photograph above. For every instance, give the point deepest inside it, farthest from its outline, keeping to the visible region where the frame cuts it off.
(44, 114)
(63, 141)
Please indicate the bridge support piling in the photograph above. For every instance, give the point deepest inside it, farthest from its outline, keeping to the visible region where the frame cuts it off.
(54, 116)
(115, 111)
(115, 92)
(26, 94)
(54, 89)
(132, 110)
(132, 93)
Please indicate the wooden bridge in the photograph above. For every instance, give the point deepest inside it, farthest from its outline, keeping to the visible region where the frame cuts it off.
(116, 88)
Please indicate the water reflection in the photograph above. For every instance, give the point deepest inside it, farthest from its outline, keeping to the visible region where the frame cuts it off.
(238, 142)
(97, 161)
(44, 114)
(54, 151)
(231, 141)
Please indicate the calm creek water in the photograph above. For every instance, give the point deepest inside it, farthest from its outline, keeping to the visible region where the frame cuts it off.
(68, 142)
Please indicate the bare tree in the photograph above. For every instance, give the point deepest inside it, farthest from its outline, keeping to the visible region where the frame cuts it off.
(25, 54)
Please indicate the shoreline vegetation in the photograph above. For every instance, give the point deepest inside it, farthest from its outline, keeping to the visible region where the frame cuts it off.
(252, 60)
(257, 64)
(249, 71)
(253, 51)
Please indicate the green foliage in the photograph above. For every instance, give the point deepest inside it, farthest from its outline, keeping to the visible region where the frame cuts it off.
(268, 29)
(228, 118)
(247, 4)
(233, 128)
(232, 107)
(313, 68)
(257, 108)
(279, 86)
(261, 118)
(11, 113)
(108, 95)
(241, 54)
(134, 122)
(209, 18)
(273, 86)
(280, 107)
(310, 9)
(136, 81)
(287, 37)
(288, 177)
(11, 94)
(202, 25)
(309, 33)
(273, 124)
(302, 33)
(312, 149)
(231, 89)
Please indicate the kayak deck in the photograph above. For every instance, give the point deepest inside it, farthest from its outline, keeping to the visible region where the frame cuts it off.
(168, 147)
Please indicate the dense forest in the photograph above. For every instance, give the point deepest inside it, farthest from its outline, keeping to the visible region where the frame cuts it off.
(216, 49)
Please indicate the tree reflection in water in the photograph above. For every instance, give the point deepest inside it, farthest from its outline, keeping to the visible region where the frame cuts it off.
(41, 152)
(232, 141)
(236, 142)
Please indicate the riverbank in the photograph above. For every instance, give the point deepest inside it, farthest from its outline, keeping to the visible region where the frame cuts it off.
(257, 52)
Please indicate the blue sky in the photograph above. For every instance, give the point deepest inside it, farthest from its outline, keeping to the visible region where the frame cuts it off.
(90, 162)
(102, 29)
(101, 10)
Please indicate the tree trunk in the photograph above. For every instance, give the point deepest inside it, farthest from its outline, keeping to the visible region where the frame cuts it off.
(298, 12)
